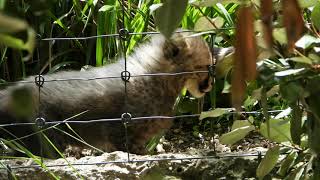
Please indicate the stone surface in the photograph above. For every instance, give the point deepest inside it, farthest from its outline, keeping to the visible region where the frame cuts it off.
(111, 166)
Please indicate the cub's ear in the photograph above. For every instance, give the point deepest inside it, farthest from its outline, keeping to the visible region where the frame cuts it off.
(174, 47)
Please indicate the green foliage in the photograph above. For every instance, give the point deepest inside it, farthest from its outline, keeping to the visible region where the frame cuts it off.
(169, 15)
(268, 162)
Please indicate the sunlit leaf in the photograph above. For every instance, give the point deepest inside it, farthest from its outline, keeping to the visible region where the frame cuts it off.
(307, 3)
(17, 43)
(204, 24)
(279, 130)
(268, 162)
(214, 113)
(208, 3)
(225, 13)
(289, 72)
(301, 59)
(283, 114)
(279, 34)
(105, 25)
(239, 124)
(306, 41)
(154, 7)
(236, 135)
(106, 8)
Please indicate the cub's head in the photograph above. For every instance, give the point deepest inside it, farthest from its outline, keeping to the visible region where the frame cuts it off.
(189, 54)
(192, 54)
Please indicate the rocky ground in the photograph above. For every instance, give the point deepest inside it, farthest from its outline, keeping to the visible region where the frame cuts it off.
(182, 153)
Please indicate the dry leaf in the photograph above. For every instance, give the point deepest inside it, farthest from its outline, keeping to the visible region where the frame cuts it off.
(293, 21)
(266, 16)
(245, 55)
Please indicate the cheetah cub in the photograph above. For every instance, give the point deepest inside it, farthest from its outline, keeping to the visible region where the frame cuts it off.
(106, 98)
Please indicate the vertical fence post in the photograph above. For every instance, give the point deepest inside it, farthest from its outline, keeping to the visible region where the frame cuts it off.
(40, 121)
(125, 76)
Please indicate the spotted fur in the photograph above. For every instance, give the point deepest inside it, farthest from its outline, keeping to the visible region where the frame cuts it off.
(105, 98)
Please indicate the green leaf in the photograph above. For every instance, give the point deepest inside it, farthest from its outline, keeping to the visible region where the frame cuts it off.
(240, 123)
(256, 94)
(17, 43)
(296, 124)
(301, 59)
(208, 3)
(315, 15)
(214, 113)
(2, 4)
(313, 123)
(280, 35)
(11, 41)
(105, 8)
(105, 25)
(314, 57)
(273, 91)
(10, 25)
(226, 14)
(169, 16)
(204, 24)
(226, 87)
(297, 173)
(236, 135)
(307, 3)
(279, 130)
(287, 163)
(268, 162)
(291, 91)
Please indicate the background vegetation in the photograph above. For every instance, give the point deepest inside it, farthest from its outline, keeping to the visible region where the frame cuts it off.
(288, 64)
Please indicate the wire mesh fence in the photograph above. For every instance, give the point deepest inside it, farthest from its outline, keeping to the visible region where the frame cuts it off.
(125, 75)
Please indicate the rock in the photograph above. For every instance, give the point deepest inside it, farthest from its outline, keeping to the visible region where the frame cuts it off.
(115, 166)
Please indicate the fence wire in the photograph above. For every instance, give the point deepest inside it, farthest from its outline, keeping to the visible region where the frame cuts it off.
(133, 118)
(41, 79)
(218, 156)
(132, 34)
